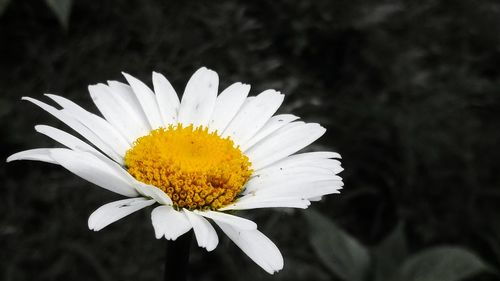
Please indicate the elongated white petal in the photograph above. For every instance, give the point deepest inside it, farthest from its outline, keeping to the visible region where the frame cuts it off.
(253, 115)
(314, 155)
(303, 159)
(113, 111)
(167, 99)
(256, 246)
(304, 190)
(78, 127)
(94, 170)
(205, 233)
(146, 99)
(106, 132)
(287, 140)
(289, 176)
(125, 97)
(153, 192)
(253, 201)
(330, 164)
(303, 180)
(111, 212)
(278, 171)
(271, 126)
(65, 139)
(315, 199)
(238, 222)
(199, 97)
(96, 124)
(227, 105)
(37, 154)
(293, 167)
(169, 223)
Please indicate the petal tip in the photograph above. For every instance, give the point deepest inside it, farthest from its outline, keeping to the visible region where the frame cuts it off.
(39, 127)
(127, 76)
(52, 96)
(10, 159)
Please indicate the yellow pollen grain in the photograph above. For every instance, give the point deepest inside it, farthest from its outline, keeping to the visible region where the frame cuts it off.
(196, 168)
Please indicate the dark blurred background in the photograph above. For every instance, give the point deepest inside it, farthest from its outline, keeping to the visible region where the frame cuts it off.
(409, 92)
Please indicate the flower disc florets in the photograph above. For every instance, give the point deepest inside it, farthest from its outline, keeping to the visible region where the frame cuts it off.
(196, 168)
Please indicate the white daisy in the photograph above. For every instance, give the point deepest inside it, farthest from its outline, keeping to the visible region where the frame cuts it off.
(196, 158)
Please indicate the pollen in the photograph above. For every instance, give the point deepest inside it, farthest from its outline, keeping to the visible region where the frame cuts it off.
(198, 169)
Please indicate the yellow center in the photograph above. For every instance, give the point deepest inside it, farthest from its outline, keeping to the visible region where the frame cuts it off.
(197, 169)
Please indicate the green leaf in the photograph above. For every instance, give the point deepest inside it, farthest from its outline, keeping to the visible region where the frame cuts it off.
(62, 9)
(442, 264)
(3, 5)
(390, 253)
(302, 270)
(340, 253)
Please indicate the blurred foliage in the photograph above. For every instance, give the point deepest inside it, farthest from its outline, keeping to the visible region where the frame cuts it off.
(407, 90)
(349, 260)
(444, 264)
(3, 5)
(61, 9)
(341, 253)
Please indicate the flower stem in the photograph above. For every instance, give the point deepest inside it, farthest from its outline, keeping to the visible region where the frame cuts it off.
(177, 258)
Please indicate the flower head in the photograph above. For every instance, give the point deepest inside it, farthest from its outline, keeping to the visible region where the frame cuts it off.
(196, 158)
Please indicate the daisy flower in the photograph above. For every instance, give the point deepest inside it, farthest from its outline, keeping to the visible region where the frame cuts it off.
(199, 159)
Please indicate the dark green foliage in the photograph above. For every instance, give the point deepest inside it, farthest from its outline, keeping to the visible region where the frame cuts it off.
(349, 260)
(409, 92)
(61, 9)
(340, 253)
(441, 264)
(3, 5)
(389, 254)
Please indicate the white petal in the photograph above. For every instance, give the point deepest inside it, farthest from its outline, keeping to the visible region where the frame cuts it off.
(304, 190)
(125, 97)
(106, 132)
(78, 127)
(238, 222)
(65, 139)
(287, 140)
(227, 105)
(315, 155)
(257, 246)
(94, 170)
(199, 97)
(315, 199)
(147, 100)
(253, 115)
(301, 166)
(305, 159)
(279, 171)
(169, 223)
(96, 124)
(37, 154)
(271, 126)
(111, 212)
(167, 99)
(298, 175)
(113, 111)
(253, 201)
(205, 233)
(152, 192)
